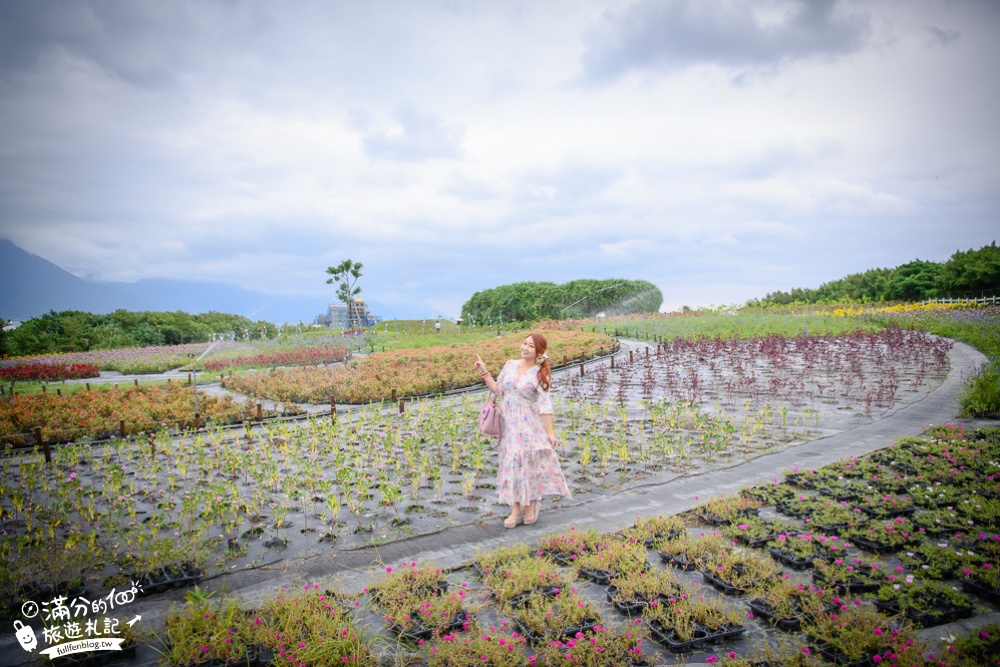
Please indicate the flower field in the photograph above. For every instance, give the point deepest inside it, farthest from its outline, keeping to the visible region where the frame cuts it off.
(667, 590)
(129, 360)
(97, 413)
(411, 372)
(33, 372)
(301, 356)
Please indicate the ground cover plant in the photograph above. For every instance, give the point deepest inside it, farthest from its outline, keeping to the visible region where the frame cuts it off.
(409, 372)
(34, 371)
(978, 326)
(155, 359)
(100, 412)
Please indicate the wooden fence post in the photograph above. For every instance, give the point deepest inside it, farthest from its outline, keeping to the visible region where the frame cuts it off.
(58, 392)
(612, 362)
(137, 382)
(43, 443)
(121, 428)
(581, 370)
(393, 394)
(333, 408)
(88, 385)
(401, 406)
(260, 412)
(631, 359)
(189, 379)
(43, 389)
(197, 421)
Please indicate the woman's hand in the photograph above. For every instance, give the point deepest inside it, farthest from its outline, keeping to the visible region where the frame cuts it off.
(552, 440)
(480, 365)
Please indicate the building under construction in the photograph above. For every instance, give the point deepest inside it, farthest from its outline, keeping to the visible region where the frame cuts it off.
(340, 316)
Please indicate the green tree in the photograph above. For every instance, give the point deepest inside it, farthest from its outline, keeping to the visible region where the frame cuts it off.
(533, 301)
(970, 273)
(346, 275)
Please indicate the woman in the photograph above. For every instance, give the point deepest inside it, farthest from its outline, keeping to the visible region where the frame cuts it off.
(529, 467)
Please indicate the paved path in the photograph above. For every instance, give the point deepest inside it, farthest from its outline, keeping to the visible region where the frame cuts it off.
(452, 547)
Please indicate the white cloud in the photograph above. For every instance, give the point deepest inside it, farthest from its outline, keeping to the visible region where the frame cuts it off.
(451, 147)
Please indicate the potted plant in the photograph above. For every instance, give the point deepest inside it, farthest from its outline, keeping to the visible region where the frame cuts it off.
(737, 572)
(493, 647)
(833, 518)
(205, 632)
(794, 550)
(408, 582)
(673, 625)
(768, 494)
(983, 580)
(980, 647)
(850, 575)
(887, 506)
(485, 563)
(566, 547)
(421, 619)
(926, 602)
(544, 618)
(687, 551)
(634, 592)
(611, 559)
(754, 531)
(935, 560)
(722, 510)
(784, 604)
(880, 537)
(852, 636)
(520, 578)
(649, 530)
(308, 627)
(600, 648)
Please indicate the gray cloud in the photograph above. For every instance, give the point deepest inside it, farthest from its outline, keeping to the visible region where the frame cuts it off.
(674, 34)
(413, 136)
(942, 36)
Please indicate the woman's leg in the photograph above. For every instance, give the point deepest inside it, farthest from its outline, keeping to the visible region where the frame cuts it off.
(515, 517)
(531, 512)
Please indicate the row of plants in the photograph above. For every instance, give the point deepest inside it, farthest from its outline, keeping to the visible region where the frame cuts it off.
(154, 359)
(978, 326)
(98, 412)
(862, 371)
(849, 605)
(375, 474)
(719, 322)
(300, 356)
(34, 372)
(411, 372)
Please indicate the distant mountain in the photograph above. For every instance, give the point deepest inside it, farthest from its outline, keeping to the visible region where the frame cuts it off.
(31, 286)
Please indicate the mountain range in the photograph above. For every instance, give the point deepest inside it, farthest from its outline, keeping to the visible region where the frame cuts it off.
(31, 286)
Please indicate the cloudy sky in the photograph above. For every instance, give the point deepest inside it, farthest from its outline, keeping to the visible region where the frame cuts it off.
(719, 149)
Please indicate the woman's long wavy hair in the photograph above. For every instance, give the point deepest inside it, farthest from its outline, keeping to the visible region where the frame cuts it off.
(544, 372)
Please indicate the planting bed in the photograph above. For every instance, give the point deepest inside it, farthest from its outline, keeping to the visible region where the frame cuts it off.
(129, 507)
(418, 614)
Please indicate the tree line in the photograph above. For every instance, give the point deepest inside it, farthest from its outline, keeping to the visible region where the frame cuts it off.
(77, 331)
(966, 274)
(533, 301)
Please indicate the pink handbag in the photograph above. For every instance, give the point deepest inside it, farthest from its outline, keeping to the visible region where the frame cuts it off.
(489, 417)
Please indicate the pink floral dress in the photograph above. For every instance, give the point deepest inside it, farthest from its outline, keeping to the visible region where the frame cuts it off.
(528, 466)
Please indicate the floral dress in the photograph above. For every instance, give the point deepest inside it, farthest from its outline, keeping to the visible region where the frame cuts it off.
(529, 466)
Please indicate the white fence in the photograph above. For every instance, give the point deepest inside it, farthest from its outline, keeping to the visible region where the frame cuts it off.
(982, 299)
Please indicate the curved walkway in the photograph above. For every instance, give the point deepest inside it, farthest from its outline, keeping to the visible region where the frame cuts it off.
(351, 571)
